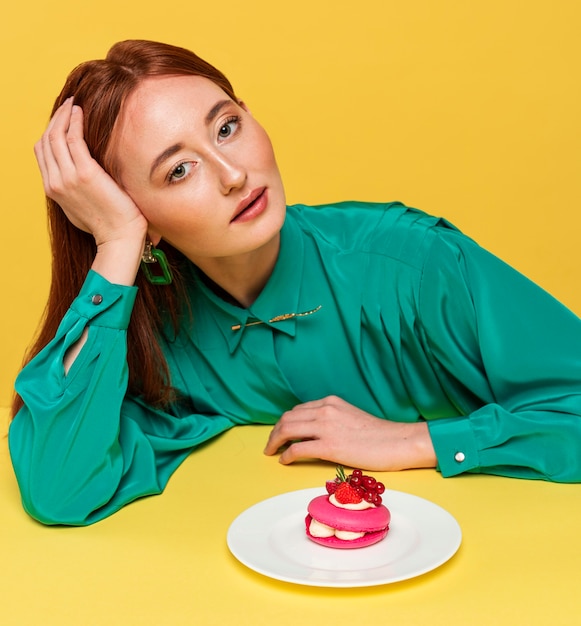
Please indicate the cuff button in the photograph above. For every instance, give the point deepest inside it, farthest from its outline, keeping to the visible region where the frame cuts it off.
(459, 457)
(97, 298)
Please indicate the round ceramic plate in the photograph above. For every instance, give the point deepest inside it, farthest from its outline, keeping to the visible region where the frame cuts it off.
(270, 539)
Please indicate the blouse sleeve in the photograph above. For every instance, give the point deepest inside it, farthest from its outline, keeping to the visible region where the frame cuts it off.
(508, 355)
(81, 448)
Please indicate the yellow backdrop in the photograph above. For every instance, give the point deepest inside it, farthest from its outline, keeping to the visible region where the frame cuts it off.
(464, 109)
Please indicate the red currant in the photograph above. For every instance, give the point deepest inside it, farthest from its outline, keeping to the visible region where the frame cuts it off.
(379, 487)
(368, 497)
(368, 482)
(357, 472)
(355, 480)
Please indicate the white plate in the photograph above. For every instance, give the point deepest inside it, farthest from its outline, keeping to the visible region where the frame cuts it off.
(270, 539)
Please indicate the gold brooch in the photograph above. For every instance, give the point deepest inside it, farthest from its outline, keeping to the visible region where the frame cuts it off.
(279, 318)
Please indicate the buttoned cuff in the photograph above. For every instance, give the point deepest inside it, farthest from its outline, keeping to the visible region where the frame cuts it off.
(104, 303)
(454, 444)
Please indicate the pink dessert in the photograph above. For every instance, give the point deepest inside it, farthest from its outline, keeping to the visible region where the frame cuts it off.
(351, 515)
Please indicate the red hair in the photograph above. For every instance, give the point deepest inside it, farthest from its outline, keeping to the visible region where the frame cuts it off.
(100, 88)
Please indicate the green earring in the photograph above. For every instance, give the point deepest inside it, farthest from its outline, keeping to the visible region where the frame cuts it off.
(152, 257)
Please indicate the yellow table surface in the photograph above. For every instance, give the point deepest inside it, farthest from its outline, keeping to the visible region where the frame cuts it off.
(164, 560)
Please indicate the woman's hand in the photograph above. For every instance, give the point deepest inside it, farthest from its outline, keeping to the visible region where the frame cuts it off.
(90, 198)
(333, 430)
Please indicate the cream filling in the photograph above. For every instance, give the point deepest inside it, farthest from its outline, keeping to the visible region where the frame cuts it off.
(318, 529)
(347, 535)
(360, 506)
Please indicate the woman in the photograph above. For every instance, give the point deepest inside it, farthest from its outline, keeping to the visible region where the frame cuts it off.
(369, 335)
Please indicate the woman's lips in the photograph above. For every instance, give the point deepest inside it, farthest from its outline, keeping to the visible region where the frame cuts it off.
(251, 206)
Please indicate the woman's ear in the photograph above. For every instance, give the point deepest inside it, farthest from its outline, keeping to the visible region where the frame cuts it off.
(153, 236)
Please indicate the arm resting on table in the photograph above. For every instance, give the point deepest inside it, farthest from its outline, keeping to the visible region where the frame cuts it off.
(81, 448)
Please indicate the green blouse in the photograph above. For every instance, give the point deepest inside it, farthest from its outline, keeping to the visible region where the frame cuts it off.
(396, 312)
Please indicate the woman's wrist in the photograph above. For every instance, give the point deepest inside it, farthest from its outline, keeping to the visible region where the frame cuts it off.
(118, 260)
(424, 452)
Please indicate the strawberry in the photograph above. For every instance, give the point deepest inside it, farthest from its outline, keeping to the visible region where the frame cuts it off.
(331, 486)
(355, 488)
(346, 494)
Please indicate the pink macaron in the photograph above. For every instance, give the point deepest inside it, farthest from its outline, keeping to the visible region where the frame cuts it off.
(373, 522)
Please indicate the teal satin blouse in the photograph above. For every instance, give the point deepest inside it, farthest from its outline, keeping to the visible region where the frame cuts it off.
(395, 311)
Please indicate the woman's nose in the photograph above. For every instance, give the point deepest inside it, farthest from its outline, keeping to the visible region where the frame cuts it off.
(231, 175)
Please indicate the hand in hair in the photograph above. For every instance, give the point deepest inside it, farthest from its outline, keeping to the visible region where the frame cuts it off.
(89, 197)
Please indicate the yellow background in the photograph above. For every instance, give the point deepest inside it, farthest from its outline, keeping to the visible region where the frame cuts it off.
(465, 109)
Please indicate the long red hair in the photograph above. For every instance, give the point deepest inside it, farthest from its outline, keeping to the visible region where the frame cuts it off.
(101, 87)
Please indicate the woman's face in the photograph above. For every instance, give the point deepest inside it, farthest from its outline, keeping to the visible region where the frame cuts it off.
(199, 167)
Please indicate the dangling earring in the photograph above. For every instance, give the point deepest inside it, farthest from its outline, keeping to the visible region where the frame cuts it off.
(153, 255)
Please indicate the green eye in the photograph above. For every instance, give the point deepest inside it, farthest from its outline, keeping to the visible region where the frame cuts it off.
(229, 127)
(180, 171)
(225, 131)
